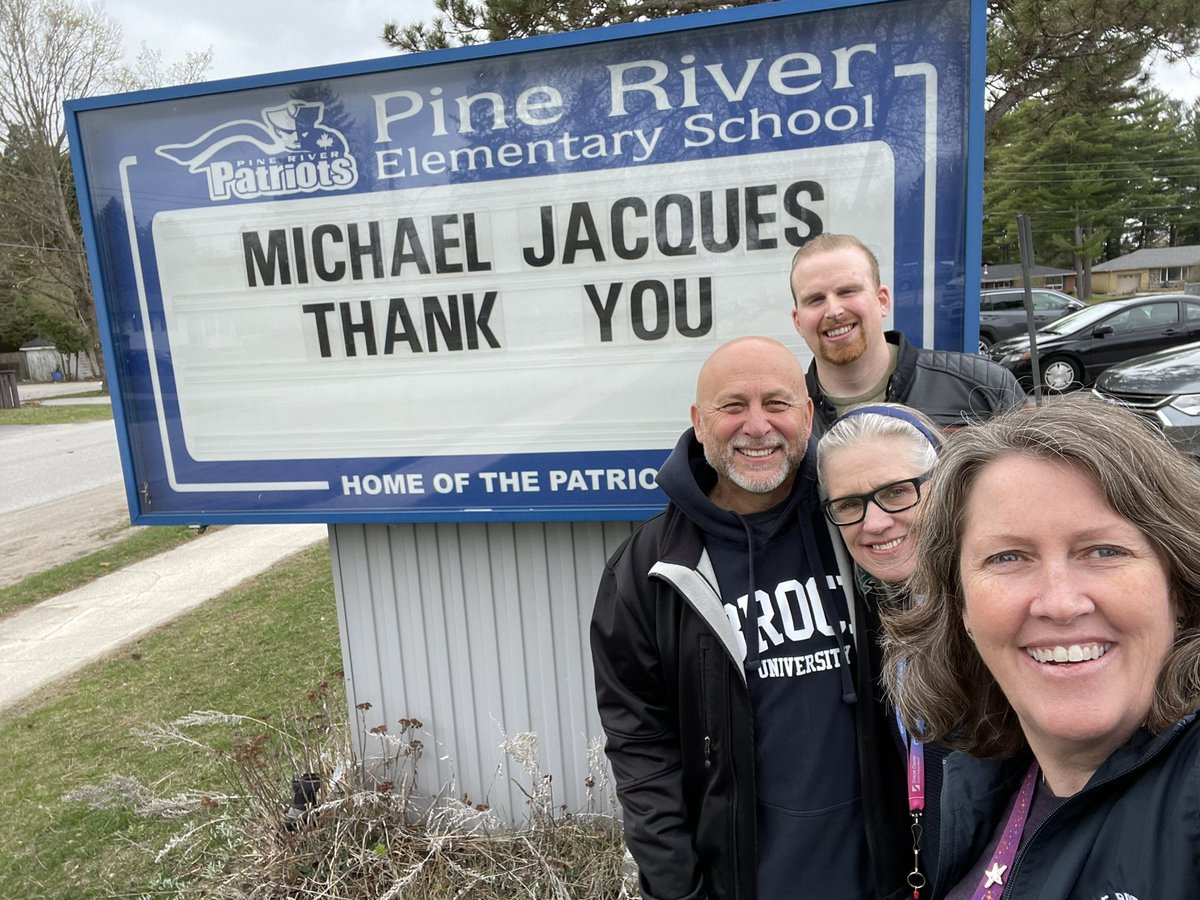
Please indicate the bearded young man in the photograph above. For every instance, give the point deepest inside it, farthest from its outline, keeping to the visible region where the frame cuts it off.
(749, 746)
(839, 310)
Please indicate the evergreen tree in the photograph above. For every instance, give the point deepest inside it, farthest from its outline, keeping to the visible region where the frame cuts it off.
(1067, 174)
(1062, 51)
(1075, 138)
(1073, 53)
(1095, 183)
(465, 22)
(1163, 211)
(1187, 231)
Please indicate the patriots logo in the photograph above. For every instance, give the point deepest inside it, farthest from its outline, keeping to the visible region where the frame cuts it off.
(289, 151)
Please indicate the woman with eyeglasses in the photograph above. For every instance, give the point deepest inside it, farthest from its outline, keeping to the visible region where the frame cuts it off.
(871, 464)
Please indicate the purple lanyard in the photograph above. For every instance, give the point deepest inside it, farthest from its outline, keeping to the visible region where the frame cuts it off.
(991, 883)
(916, 803)
(916, 775)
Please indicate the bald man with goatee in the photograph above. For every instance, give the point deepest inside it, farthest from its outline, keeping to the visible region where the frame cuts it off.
(750, 751)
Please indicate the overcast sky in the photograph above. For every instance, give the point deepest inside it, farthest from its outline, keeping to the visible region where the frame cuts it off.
(248, 37)
(1182, 79)
(251, 36)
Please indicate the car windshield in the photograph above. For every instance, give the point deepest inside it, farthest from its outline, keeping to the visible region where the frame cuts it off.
(1042, 300)
(1082, 318)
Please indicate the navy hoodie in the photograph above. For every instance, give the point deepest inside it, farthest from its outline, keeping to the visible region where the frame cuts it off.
(798, 653)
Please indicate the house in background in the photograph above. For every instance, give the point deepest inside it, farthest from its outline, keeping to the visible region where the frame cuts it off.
(1010, 275)
(1155, 269)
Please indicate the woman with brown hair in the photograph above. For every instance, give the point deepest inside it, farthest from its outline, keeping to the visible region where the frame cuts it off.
(1057, 645)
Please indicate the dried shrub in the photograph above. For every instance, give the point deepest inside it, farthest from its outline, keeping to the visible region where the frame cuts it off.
(301, 813)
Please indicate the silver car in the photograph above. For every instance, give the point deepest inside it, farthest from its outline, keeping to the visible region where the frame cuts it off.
(1002, 312)
(1165, 388)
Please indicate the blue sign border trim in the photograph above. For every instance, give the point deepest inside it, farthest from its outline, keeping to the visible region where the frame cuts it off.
(143, 515)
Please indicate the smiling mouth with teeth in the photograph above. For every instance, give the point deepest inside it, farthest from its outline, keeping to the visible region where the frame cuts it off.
(839, 331)
(1071, 654)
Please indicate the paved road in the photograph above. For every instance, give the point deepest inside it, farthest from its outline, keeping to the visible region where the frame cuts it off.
(45, 463)
(63, 496)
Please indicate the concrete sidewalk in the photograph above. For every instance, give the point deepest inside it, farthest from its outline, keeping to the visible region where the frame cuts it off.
(60, 635)
(41, 390)
(61, 393)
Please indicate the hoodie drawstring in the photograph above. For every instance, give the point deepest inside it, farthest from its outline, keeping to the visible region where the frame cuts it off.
(753, 659)
(842, 612)
(841, 615)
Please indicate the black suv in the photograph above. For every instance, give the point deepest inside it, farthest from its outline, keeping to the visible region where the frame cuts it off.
(1002, 312)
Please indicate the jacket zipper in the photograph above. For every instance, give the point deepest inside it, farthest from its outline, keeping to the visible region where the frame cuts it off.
(704, 706)
(735, 835)
(1141, 763)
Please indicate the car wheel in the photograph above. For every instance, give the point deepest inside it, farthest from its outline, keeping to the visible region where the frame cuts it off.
(1061, 374)
(984, 343)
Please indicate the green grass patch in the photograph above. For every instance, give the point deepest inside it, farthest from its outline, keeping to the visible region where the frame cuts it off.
(257, 650)
(33, 413)
(141, 544)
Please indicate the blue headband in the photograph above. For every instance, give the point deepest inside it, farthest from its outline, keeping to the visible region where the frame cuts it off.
(892, 413)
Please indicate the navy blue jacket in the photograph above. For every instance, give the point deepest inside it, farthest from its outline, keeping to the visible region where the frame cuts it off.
(1133, 832)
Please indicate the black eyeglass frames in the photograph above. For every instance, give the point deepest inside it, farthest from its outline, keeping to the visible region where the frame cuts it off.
(893, 497)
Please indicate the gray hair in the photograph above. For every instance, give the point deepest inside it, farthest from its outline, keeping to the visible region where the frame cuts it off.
(945, 686)
(881, 420)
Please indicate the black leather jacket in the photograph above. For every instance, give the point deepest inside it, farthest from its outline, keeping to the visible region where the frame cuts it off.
(953, 389)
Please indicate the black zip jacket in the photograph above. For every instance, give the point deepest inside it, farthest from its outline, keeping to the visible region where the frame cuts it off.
(1133, 832)
(953, 389)
(672, 695)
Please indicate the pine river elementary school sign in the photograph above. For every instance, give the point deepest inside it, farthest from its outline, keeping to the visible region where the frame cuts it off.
(478, 284)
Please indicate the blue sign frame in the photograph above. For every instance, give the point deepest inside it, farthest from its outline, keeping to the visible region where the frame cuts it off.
(477, 284)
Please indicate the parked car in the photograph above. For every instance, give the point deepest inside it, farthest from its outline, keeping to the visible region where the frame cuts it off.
(1075, 349)
(1002, 312)
(1165, 388)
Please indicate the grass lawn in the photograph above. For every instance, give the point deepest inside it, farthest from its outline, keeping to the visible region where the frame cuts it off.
(32, 413)
(257, 651)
